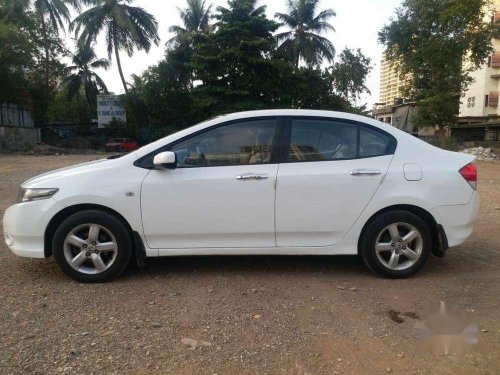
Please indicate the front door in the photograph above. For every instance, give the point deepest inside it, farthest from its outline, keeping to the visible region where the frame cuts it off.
(221, 195)
(332, 170)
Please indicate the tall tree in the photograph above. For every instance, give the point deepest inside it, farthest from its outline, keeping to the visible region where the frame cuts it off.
(41, 21)
(16, 61)
(438, 43)
(349, 74)
(52, 14)
(126, 28)
(304, 40)
(80, 75)
(234, 63)
(195, 19)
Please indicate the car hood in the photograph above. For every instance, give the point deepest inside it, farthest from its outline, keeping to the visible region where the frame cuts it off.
(44, 180)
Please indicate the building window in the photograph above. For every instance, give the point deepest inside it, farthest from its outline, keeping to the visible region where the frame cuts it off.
(471, 102)
(489, 62)
(486, 100)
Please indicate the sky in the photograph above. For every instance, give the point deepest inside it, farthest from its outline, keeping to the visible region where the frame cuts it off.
(356, 26)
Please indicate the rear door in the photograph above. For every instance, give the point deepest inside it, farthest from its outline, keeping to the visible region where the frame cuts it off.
(331, 169)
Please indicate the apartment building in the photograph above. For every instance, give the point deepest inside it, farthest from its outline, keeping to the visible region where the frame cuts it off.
(482, 96)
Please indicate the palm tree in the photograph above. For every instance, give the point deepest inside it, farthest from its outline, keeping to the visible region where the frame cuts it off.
(80, 75)
(303, 40)
(195, 18)
(51, 14)
(126, 28)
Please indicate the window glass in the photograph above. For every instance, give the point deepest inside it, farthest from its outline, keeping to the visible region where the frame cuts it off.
(322, 140)
(248, 142)
(372, 143)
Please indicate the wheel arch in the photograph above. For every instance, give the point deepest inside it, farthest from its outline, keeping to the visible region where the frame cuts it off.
(68, 211)
(438, 236)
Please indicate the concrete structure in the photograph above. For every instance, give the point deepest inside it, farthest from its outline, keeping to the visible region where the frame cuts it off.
(481, 98)
(17, 130)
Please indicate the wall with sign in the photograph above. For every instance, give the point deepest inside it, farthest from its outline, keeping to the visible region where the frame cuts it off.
(109, 107)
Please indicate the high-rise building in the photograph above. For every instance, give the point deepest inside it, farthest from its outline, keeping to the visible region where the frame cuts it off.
(391, 83)
(391, 91)
(481, 98)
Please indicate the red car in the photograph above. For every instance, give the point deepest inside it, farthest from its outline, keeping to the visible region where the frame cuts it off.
(121, 145)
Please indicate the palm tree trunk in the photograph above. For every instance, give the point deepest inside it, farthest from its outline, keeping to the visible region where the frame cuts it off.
(118, 62)
(46, 89)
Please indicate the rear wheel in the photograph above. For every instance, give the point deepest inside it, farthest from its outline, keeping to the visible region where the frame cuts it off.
(396, 244)
(92, 246)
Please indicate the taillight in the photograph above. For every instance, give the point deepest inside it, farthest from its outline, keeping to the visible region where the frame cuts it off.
(469, 173)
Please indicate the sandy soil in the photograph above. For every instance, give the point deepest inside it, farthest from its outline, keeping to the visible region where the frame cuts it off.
(246, 315)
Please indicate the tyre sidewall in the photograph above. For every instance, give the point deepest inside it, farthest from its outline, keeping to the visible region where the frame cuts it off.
(372, 232)
(108, 221)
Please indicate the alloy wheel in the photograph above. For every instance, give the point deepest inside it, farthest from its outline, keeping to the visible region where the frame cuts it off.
(90, 249)
(399, 246)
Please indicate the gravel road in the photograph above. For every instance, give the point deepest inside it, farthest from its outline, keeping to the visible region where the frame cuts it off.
(245, 315)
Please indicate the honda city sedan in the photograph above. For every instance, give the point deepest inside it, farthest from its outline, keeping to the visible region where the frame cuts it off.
(276, 182)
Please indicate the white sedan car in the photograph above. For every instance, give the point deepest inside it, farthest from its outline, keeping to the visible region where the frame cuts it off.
(287, 182)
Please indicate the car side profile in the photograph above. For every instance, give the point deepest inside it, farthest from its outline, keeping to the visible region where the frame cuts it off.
(282, 182)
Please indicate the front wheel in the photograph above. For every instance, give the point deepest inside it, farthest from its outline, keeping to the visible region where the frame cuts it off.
(92, 246)
(396, 244)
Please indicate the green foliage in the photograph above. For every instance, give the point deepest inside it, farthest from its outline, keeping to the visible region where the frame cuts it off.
(126, 28)
(195, 18)
(80, 75)
(29, 30)
(233, 63)
(16, 59)
(235, 67)
(304, 40)
(349, 74)
(438, 43)
(75, 110)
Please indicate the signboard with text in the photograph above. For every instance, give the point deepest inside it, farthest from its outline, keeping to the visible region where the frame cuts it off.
(109, 107)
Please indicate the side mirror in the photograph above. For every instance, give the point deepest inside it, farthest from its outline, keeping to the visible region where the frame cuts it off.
(166, 160)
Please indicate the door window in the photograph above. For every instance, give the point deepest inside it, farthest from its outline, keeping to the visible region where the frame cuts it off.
(315, 140)
(242, 143)
(372, 143)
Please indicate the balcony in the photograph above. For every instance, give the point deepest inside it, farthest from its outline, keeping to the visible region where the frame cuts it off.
(493, 99)
(495, 21)
(495, 60)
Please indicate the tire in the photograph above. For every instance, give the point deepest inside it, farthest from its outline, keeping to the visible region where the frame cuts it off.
(388, 251)
(87, 236)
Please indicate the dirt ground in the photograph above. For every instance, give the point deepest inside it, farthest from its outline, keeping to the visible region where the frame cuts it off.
(246, 315)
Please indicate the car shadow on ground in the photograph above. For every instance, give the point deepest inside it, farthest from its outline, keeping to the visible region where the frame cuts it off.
(249, 265)
(341, 266)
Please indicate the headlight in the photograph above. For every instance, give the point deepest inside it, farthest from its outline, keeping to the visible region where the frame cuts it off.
(28, 195)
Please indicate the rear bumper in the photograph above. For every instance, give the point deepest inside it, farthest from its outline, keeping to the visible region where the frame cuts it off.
(24, 227)
(457, 221)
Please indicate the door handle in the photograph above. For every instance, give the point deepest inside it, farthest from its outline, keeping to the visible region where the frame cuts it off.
(365, 172)
(252, 176)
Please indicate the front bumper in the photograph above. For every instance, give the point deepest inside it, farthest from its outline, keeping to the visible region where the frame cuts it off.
(24, 226)
(457, 221)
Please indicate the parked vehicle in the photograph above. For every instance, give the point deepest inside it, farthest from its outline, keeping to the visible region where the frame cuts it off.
(121, 145)
(283, 182)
